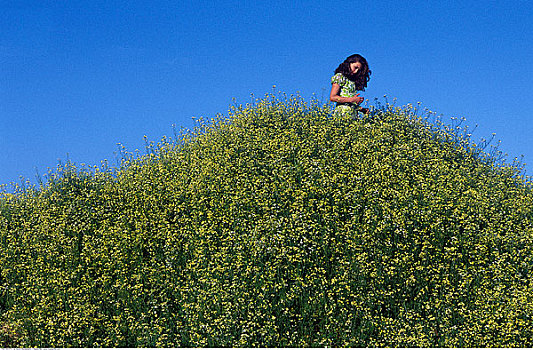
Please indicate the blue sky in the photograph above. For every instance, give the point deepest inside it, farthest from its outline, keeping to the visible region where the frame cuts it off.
(78, 77)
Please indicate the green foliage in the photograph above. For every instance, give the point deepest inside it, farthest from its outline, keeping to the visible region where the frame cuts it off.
(278, 226)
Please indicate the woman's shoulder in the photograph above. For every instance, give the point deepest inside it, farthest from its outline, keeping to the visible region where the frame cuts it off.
(338, 78)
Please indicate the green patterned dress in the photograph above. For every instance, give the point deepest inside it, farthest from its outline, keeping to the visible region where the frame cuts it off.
(347, 90)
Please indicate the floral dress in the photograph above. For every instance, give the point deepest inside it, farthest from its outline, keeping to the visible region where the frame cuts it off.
(347, 90)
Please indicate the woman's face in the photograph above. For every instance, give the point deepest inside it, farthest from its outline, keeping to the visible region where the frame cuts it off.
(355, 67)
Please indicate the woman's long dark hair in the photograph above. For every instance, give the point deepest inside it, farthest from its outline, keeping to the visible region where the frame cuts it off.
(362, 77)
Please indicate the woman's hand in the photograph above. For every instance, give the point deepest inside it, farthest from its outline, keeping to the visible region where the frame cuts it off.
(335, 97)
(356, 99)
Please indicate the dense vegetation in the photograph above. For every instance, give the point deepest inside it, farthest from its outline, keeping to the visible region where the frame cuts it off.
(277, 226)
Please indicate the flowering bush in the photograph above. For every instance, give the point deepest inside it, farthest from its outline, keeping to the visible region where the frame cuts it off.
(278, 226)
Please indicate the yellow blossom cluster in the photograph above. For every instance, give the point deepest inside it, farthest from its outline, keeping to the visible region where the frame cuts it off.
(277, 226)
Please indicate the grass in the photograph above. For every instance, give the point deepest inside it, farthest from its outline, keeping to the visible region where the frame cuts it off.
(278, 226)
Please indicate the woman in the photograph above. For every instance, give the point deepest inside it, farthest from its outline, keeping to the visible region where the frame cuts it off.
(351, 76)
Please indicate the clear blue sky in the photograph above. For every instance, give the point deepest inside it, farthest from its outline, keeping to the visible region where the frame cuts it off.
(78, 77)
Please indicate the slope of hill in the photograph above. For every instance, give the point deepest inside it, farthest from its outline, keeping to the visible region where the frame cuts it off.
(279, 226)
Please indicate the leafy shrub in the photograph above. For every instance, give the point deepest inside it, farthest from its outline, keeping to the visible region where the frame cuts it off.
(277, 226)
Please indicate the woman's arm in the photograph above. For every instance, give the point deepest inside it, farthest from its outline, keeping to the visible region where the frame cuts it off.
(335, 97)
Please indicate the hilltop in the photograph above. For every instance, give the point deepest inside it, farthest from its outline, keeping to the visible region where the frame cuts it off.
(278, 226)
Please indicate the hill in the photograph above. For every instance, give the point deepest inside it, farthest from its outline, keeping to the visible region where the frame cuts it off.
(278, 226)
